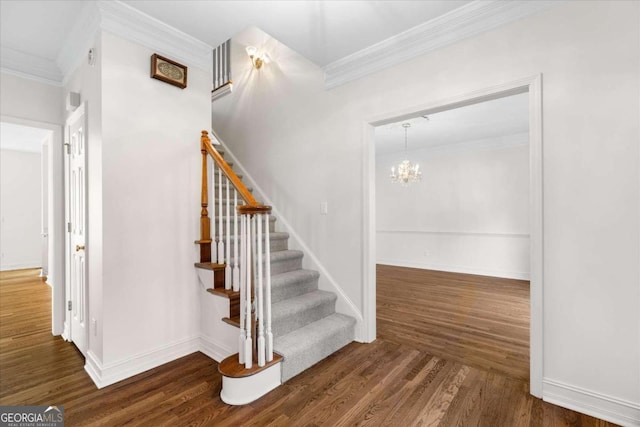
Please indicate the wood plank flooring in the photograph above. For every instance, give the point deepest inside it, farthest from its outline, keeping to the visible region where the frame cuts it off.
(391, 382)
(479, 321)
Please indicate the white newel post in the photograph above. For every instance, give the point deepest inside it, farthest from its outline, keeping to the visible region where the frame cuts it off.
(246, 263)
(259, 295)
(243, 289)
(267, 299)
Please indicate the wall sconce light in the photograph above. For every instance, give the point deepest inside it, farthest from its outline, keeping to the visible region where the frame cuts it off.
(257, 58)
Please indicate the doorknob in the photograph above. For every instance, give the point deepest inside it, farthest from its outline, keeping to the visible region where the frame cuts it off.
(79, 248)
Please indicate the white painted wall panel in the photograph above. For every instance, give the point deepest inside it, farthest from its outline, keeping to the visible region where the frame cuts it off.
(20, 210)
(469, 214)
(151, 192)
(29, 99)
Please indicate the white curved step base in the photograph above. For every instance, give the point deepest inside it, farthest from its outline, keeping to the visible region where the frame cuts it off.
(241, 391)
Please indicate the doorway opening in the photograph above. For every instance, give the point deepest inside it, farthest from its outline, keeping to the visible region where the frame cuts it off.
(46, 242)
(456, 248)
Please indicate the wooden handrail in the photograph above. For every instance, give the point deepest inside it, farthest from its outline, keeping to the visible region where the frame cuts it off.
(250, 208)
(226, 170)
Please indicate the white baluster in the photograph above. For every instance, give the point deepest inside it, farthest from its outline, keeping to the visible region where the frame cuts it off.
(227, 269)
(215, 65)
(220, 233)
(248, 363)
(260, 296)
(224, 61)
(243, 290)
(236, 244)
(214, 238)
(267, 297)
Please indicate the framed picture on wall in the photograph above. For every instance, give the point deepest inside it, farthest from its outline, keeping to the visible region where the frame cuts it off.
(168, 71)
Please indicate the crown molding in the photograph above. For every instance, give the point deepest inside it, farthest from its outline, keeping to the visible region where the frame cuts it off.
(116, 18)
(124, 21)
(471, 19)
(29, 66)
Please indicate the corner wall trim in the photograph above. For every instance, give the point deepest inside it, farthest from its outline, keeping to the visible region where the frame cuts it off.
(591, 403)
(471, 19)
(214, 350)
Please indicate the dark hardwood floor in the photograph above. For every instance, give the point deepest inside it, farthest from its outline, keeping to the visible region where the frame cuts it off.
(395, 381)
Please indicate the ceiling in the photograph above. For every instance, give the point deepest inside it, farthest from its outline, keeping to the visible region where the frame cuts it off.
(472, 123)
(22, 138)
(37, 27)
(322, 31)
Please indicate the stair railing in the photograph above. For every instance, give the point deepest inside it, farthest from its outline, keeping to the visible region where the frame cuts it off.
(251, 271)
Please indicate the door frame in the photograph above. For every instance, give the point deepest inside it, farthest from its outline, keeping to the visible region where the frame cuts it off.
(56, 273)
(531, 85)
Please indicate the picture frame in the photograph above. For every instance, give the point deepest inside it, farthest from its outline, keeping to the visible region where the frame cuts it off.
(168, 71)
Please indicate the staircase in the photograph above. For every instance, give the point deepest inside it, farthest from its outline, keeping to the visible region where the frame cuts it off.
(303, 321)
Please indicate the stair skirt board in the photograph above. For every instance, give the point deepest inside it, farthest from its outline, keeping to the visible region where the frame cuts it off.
(244, 390)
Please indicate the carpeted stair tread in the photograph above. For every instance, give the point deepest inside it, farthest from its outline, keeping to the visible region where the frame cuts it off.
(306, 346)
(293, 283)
(297, 312)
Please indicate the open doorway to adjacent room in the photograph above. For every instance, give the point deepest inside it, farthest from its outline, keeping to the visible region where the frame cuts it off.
(454, 254)
(453, 245)
(32, 204)
(24, 220)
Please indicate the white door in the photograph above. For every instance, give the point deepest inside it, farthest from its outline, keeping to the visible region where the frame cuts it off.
(76, 202)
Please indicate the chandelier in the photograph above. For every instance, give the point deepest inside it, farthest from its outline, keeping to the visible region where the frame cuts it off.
(406, 172)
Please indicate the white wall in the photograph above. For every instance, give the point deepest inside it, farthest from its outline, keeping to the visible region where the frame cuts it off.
(151, 198)
(469, 214)
(20, 210)
(30, 99)
(303, 145)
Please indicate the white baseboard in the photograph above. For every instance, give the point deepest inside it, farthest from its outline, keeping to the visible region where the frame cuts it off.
(104, 375)
(21, 266)
(214, 350)
(65, 331)
(520, 275)
(591, 403)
